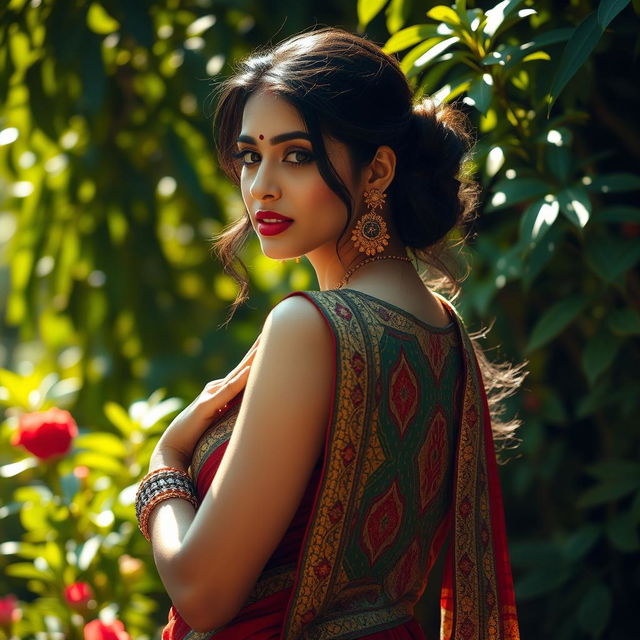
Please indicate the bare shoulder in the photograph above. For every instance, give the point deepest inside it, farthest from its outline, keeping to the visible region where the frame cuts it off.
(296, 321)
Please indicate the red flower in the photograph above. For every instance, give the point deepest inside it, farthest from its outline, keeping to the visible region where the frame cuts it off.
(78, 595)
(98, 630)
(46, 434)
(9, 611)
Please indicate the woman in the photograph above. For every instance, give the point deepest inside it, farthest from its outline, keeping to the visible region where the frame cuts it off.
(324, 474)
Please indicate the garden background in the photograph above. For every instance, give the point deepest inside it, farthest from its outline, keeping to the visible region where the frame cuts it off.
(111, 301)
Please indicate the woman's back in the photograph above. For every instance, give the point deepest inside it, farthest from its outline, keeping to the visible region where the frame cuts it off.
(398, 385)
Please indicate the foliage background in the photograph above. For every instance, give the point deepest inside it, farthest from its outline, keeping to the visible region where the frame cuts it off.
(110, 301)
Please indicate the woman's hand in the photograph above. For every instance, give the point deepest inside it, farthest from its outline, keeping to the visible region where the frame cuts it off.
(181, 435)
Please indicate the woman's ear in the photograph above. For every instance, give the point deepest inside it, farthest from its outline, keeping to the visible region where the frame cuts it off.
(381, 170)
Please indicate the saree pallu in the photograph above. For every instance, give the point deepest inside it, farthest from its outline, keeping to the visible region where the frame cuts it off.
(408, 462)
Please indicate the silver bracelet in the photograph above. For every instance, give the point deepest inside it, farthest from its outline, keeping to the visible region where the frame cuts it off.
(158, 485)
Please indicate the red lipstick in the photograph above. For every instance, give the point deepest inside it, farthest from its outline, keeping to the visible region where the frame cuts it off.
(271, 223)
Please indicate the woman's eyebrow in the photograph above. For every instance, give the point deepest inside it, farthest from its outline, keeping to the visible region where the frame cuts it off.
(282, 137)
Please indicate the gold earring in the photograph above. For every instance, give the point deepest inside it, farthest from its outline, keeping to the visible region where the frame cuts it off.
(370, 233)
(285, 259)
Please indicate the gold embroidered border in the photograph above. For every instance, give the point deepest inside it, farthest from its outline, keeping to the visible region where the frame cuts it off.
(352, 625)
(474, 580)
(215, 435)
(318, 568)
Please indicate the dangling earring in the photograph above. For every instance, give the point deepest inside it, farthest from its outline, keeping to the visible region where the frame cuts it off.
(285, 259)
(370, 233)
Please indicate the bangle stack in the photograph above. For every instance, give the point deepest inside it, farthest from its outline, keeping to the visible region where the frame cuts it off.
(158, 485)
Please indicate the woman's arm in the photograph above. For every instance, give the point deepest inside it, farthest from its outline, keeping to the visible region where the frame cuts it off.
(277, 439)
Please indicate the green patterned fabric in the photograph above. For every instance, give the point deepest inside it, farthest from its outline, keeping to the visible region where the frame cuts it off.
(380, 514)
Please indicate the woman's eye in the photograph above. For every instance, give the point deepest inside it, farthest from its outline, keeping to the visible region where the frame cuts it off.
(303, 157)
(240, 155)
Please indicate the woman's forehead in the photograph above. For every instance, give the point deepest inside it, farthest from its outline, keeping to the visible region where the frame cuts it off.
(270, 113)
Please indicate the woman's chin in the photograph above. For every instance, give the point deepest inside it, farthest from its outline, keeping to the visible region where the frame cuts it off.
(269, 252)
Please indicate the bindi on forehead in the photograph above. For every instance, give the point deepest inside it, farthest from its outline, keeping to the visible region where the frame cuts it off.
(261, 137)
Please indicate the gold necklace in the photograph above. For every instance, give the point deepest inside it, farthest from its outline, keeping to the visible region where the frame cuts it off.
(351, 271)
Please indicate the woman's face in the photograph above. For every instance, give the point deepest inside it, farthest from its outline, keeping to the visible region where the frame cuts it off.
(279, 175)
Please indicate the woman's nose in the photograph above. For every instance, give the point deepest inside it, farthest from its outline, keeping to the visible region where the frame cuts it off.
(264, 185)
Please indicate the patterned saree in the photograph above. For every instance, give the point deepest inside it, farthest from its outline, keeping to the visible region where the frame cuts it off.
(408, 463)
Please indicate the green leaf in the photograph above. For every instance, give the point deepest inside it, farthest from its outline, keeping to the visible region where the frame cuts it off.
(495, 17)
(119, 418)
(608, 10)
(540, 255)
(618, 213)
(608, 492)
(622, 531)
(555, 319)
(624, 322)
(599, 354)
(614, 183)
(28, 571)
(409, 37)
(575, 204)
(15, 468)
(542, 580)
(426, 52)
(580, 542)
(535, 553)
(558, 160)
(397, 13)
(442, 13)
(481, 93)
(538, 218)
(101, 462)
(609, 255)
(614, 470)
(368, 10)
(99, 21)
(33, 517)
(508, 192)
(581, 44)
(595, 609)
(104, 443)
(509, 55)
(598, 397)
(408, 60)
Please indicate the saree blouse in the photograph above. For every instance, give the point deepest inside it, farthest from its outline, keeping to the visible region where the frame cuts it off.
(379, 504)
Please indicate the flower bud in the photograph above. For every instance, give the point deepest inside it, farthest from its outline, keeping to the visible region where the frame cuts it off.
(46, 434)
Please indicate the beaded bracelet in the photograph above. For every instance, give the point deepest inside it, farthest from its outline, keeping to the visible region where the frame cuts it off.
(158, 485)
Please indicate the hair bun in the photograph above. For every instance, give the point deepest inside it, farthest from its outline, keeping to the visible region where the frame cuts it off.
(430, 163)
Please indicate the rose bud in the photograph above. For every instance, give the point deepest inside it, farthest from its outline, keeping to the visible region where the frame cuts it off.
(46, 434)
(9, 611)
(98, 630)
(78, 595)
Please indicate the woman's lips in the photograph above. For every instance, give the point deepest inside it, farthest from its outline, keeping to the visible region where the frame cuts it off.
(273, 228)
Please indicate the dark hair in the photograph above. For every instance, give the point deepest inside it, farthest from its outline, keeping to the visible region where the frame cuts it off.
(347, 88)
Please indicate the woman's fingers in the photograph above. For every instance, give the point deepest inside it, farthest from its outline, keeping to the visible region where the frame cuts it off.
(248, 357)
(231, 388)
(246, 361)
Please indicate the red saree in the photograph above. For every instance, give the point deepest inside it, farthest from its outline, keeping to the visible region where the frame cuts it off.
(408, 460)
